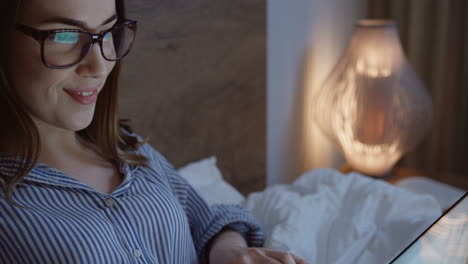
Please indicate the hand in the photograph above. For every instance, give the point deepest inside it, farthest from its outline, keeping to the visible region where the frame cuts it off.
(246, 255)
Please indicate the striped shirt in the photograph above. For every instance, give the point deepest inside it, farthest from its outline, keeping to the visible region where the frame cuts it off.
(154, 216)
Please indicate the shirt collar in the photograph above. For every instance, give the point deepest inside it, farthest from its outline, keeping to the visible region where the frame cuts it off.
(46, 174)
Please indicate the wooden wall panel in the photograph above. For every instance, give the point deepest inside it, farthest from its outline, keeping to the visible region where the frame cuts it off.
(194, 83)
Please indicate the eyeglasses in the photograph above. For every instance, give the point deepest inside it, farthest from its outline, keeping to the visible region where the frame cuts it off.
(65, 48)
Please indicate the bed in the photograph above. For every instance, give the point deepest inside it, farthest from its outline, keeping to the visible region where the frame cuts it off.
(325, 216)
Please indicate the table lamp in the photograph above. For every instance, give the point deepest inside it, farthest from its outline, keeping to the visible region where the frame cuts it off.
(373, 105)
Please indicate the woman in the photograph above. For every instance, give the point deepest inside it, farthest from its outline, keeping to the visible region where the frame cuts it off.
(77, 185)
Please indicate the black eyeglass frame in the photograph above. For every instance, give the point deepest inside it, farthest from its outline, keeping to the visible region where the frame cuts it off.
(41, 35)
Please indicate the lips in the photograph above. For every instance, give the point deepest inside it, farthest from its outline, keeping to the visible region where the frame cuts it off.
(84, 96)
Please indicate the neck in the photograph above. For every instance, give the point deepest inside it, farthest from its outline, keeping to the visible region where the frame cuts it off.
(60, 146)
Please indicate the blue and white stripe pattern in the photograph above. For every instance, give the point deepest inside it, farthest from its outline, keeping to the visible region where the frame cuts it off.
(154, 216)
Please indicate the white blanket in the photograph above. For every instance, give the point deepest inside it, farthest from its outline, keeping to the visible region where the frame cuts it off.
(329, 217)
(325, 216)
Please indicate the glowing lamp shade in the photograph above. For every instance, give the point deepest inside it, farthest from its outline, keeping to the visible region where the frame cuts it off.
(373, 105)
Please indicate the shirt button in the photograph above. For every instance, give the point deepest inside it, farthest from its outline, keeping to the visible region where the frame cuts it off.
(137, 253)
(109, 202)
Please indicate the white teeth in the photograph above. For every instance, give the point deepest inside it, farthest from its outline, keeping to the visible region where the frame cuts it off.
(85, 93)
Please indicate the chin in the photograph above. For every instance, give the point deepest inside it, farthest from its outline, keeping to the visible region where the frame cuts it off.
(82, 124)
(79, 126)
(64, 121)
(80, 121)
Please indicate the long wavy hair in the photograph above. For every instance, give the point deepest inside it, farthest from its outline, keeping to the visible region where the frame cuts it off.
(106, 132)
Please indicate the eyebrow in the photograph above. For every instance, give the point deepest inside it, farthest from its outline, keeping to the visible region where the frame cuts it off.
(74, 22)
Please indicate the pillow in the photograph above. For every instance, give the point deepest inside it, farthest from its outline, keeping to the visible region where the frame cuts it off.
(207, 179)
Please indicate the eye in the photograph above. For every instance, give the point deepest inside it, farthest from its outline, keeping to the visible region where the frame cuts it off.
(66, 37)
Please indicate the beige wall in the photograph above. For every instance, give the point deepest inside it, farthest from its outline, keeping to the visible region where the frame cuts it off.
(305, 39)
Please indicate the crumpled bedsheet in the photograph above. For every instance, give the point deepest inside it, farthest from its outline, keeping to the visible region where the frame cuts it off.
(329, 217)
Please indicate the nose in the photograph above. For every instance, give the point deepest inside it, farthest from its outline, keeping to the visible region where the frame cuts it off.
(94, 65)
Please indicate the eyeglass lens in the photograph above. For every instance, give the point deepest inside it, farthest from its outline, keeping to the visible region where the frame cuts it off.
(67, 48)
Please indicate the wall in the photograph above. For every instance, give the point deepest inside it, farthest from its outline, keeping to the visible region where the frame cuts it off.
(305, 38)
(194, 83)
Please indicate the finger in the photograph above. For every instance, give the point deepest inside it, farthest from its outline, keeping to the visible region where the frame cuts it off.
(298, 259)
(281, 257)
(259, 259)
(272, 261)
(260, 256)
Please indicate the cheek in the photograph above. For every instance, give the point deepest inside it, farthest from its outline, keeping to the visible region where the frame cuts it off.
(110, 68)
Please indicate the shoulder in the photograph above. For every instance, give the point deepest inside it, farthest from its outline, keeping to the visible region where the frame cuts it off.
(158, 162)
(9, 164)
(155, 158)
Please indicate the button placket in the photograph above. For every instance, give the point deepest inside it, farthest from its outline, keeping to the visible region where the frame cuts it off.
(137, 253)
(109, 202)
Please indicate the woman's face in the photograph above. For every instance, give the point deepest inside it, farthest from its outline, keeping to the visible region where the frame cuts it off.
(59, 98)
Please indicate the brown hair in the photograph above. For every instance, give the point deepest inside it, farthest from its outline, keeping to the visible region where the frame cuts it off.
(106, 131)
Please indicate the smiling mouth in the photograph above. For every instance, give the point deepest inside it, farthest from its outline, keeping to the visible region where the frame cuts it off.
(84, 98)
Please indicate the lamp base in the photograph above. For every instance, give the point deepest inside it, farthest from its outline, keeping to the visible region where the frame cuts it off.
(393, 176)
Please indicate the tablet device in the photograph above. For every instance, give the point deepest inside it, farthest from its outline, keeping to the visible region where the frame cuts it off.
(445, 241)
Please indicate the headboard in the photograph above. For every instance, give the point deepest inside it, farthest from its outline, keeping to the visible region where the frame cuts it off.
(194, 83)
